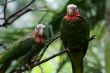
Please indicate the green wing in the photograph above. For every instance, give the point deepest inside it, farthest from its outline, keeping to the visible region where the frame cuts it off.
(20, 48)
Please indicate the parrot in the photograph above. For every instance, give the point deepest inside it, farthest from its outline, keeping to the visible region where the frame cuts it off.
(26, 47)
(75, 33)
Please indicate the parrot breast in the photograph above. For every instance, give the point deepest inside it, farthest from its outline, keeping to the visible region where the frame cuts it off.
(74, 33)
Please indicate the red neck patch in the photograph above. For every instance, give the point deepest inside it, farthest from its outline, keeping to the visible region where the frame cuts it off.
(74, 17)
(39, 39)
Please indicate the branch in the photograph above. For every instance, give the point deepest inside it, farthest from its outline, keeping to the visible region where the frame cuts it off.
(4, 10)
(9, 20)
(14, 14)
(52, 39)
(7, 2)
(47, 59)
(37, 63)
(17, 14)
(48, 43)
(57, 35)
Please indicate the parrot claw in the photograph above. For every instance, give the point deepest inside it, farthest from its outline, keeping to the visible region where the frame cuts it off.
(92, 37)
(27, 66)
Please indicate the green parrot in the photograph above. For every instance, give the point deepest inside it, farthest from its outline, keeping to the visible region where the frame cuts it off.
(75, 37)
(27, 47)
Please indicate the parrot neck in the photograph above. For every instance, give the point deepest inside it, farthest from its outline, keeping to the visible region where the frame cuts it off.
(38, 38)
(74, 17)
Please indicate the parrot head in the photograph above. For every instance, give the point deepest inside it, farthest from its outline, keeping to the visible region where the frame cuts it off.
(39, 33)
(72, 12)
(40, 29)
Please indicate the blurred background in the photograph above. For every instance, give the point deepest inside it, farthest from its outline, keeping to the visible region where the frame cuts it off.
(50, 12)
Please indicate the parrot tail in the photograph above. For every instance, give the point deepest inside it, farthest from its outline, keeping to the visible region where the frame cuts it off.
(77, 69)
(76, 61)
(5, 66)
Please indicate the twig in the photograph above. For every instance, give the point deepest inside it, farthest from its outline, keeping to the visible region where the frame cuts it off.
(51, 57)
(42, 61)
(4, 10)
(20, 10)
(19, 15)
(7, 2)
(9, 20)
(56, 35)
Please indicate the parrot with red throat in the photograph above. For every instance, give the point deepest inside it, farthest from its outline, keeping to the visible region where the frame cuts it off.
(26, 48)
(75, 37)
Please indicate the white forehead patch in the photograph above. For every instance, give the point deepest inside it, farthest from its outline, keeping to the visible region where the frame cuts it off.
(71, 5)
(40, 25)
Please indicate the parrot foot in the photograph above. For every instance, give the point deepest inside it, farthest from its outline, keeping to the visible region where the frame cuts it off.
(92, 37)
(28, 66)
(34, 62)
(19, 70)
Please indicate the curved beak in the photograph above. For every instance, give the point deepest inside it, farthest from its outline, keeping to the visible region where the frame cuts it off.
(41, 31)
(70, 11)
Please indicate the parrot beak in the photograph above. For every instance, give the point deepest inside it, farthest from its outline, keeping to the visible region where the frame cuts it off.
(41, 31)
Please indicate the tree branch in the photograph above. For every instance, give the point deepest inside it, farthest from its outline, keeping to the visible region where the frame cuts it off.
(9, 20)
(7, 2)
(49, 58)
(37, 63)
(20, 10)
(48, 43)
(17, 14)
(4, 10)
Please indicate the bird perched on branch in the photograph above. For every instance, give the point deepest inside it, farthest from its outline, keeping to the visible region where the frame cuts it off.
(26, 47)
(75, 37)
